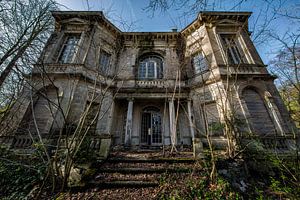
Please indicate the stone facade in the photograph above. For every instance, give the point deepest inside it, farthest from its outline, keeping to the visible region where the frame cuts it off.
(152, 88)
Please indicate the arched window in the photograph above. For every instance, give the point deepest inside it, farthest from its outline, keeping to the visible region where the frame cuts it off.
(42, 116)
(259, 114)
(150, 67)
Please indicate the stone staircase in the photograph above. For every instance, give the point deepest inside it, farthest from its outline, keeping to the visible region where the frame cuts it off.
(140, 169)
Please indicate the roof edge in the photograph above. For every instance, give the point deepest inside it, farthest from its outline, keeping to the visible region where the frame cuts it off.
(97, 14)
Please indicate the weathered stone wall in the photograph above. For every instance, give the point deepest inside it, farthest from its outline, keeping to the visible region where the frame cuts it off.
(128, 62)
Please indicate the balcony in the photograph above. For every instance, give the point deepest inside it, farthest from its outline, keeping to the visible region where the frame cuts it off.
(150, 83)
(72, 69)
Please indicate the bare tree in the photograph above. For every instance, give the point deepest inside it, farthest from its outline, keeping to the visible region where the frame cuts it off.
(286, 65)
(25, 27)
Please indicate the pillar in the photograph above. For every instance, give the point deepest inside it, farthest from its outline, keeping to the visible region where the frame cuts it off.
(190, 119)
(172, 122)
(128, 128)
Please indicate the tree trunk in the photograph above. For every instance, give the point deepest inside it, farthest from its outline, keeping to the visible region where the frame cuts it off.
(11, 64)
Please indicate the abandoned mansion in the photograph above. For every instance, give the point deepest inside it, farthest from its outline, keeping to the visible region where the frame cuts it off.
(151, 89)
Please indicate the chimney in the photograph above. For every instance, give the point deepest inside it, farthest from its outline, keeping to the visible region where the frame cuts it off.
(174, 29)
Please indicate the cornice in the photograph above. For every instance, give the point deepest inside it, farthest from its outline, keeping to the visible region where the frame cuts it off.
(210, 18)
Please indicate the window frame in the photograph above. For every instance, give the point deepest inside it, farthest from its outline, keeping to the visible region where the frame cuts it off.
(202, 63)
(157, 69)
(102, 68)
(234, 54)
(64, 45)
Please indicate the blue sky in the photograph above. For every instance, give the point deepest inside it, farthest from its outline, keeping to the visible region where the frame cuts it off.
(130, 15)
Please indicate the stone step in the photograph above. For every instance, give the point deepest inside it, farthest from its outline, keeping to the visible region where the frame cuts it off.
(155, 155)
(146, 165)
(136, 169)
(124, 177)
(144, 170)
(150, 160)
(124, 184)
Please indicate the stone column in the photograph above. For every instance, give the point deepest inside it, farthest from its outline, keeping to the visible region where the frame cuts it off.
(110, 118)
(190, 119)
(197, 143)
(172, 122)
(128, 128)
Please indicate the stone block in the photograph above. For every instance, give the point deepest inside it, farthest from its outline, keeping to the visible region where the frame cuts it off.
(77, 175)
(197, 148)
(104, 148)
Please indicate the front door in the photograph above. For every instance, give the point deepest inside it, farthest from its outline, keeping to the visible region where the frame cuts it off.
(151, 133)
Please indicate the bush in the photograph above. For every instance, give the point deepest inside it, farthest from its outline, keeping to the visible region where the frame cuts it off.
(18, 176)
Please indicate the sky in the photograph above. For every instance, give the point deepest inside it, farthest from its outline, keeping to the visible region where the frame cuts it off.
(132, 15)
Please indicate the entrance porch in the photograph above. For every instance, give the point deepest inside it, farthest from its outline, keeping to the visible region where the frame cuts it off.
(152, 122)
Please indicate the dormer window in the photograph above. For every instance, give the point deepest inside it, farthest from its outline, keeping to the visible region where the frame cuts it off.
(69, 48)
(104, 61)
(150, 67)
(233, 49)
(199, 62)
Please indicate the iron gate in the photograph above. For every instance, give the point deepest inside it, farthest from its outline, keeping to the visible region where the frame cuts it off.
(151, 132)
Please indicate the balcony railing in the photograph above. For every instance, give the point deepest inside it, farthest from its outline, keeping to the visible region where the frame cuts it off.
(150, 83)
(278, 143)
(26, 142)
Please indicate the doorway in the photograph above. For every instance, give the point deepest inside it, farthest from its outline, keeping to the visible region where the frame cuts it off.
(151, 128)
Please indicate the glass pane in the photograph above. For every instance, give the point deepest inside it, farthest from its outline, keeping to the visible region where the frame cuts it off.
(104, 61)
(142, 70)
(69, 49)
(231, 49)
(150, 68)
(156, 128)
(200, 63)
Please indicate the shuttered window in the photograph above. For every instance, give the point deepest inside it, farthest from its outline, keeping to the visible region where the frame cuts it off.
(44, 111)
(259, 116)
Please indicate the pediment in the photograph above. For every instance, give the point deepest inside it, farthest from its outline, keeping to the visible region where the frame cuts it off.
(228, 22)
(74, 21)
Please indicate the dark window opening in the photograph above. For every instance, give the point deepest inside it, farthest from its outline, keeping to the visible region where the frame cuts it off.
(104, 61)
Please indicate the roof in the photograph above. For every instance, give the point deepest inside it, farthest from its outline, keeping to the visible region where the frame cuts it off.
(88, 15)
(241, 16)
(210, 16)
(203, 16)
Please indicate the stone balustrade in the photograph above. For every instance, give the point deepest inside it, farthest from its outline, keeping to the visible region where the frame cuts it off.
(18, 142)
(278, 143)
(150, 83)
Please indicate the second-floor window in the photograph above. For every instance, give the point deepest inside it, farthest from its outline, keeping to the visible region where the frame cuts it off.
(233, 49)
(151, 67)
(199, 62)
(69, 48)
(104, 61)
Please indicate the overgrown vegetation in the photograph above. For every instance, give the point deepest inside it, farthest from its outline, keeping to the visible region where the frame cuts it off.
(255, 174)
(19, 175)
